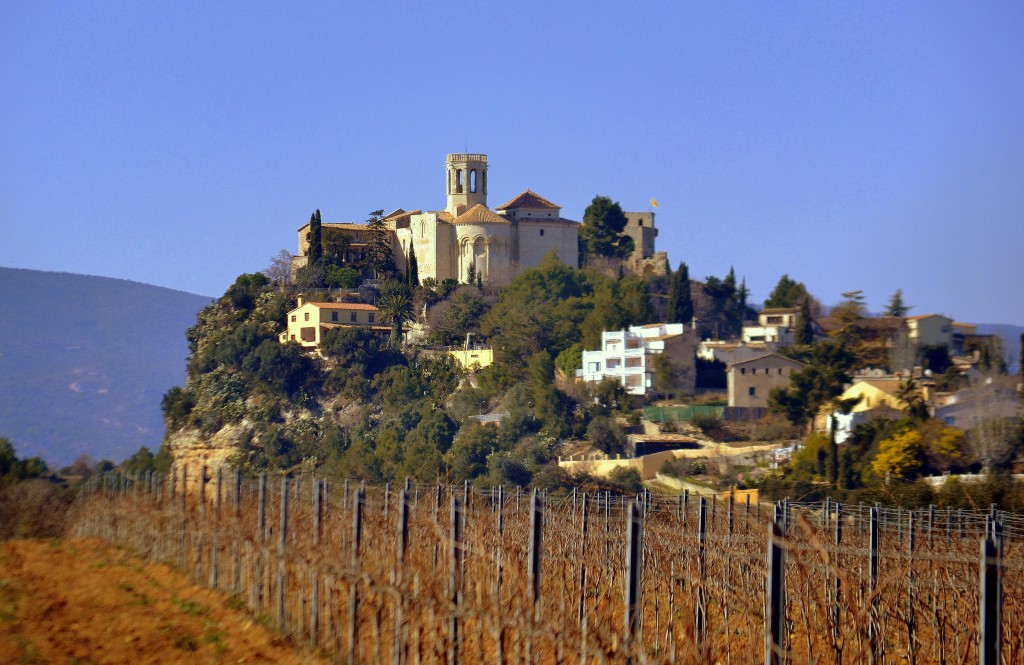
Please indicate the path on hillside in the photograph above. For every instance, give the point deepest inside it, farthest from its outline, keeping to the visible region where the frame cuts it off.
(85, 601)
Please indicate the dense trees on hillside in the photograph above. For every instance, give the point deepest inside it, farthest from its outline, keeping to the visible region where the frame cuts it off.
(362, 409)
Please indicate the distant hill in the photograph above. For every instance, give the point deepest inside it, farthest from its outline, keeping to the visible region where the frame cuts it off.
(85, 360)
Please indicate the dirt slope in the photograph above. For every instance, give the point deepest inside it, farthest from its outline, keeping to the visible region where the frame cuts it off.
(83, 601)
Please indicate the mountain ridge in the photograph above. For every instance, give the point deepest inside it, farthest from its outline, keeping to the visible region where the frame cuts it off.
(85, 361)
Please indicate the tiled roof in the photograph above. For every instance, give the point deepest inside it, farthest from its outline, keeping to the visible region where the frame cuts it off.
(361, 326)
(344, 305)
(926, 316)
(528, 200)
(796, 363)
(780, 310)
(479, 214)
(397, 212)
(445, 216)
(347, 226)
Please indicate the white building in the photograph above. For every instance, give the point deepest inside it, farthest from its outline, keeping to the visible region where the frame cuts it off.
(628, 356)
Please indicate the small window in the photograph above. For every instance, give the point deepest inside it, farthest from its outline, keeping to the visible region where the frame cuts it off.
(293, 318)
(372, 317)
(334, 316)
(352, 317)
(780, 371)
(293, 338)
(743, 370)
(306, 316)
(752, 391)
(542, 231)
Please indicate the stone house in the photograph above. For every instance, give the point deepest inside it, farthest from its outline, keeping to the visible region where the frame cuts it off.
(750, 381)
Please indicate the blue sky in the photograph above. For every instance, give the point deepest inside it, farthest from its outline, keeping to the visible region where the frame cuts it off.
(863, 145)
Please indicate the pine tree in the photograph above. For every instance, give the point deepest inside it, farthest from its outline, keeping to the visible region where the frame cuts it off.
(413, 273)
(378, 250)
(471, 273)
(316, 247)
(680, 299)
(896, 306)
(602, 230)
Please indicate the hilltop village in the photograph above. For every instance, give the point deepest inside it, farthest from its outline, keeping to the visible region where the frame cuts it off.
(514, 345)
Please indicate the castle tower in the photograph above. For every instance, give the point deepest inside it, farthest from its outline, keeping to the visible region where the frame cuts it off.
(467, 182)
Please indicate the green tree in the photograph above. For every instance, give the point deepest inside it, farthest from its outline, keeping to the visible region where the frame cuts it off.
(413, 273)
(805, 324)
(601, 233)
(378, 250)
(896, 306)
(606, 436)
(396, 308)
(909, 393)
(787, 293)
(471, 273)
(336, 245)
(680, 298)
(816, 384)
(316, 248)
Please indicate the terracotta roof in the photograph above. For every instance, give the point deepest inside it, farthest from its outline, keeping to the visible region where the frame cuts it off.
(926, 316)
(397, 212)
(361, 326)
(796, 363)
(346, 226)
(479, 214)
(528, 200)
(344, 305)
(444, 216)
(780, 310)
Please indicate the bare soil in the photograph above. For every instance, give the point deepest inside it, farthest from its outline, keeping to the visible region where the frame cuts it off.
(84, 601)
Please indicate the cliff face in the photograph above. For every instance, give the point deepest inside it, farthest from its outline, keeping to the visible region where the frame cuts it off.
(246, 399)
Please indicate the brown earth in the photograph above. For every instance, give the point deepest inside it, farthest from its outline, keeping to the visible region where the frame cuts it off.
(84, 601)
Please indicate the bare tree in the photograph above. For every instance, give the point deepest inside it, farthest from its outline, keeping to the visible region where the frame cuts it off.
(993, 442)
(280, 269)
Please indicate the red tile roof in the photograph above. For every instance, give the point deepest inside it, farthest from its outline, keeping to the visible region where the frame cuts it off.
(344, 305)
(528, 199)
(479, 214)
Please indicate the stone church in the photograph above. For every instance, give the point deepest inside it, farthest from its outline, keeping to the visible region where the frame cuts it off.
(497, 243)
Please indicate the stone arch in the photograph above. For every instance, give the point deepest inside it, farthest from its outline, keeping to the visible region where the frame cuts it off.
(458, 181)
(472, 181)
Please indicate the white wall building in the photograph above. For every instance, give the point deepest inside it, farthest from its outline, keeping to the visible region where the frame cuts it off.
(628, 356)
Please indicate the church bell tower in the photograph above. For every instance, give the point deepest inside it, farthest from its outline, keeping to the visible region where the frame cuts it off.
(467, 181)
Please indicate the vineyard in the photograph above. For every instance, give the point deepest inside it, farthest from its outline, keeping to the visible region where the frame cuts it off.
(450, 574)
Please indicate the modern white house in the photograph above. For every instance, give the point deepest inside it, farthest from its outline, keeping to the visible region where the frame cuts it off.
(629, 357)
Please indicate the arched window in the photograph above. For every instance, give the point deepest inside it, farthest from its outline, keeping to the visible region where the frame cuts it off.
(458, 181)
(472, 181)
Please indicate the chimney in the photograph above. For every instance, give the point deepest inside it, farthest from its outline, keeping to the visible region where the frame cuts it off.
(299, 301)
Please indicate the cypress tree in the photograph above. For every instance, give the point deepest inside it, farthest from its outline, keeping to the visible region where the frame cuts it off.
(471, 273)
(316, 247)
(804, 328)
(680, 300)
(413, 273)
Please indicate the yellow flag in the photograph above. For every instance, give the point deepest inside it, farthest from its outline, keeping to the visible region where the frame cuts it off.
(654, 204)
